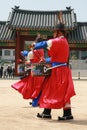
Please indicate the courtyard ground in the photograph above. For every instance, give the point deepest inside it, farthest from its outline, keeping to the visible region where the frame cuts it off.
(17, 114)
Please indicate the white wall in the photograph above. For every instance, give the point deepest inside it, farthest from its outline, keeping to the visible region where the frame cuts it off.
(11, 57)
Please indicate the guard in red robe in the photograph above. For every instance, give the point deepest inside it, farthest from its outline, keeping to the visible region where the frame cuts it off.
(58, 88)
(30, 86)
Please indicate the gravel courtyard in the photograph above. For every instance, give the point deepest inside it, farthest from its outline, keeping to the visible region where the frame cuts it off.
(17, 114)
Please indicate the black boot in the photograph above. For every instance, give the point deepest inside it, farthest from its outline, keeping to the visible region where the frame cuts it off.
(45, 114)
(66, 115)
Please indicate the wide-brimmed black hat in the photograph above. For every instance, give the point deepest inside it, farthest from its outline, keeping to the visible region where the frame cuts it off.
(59, 26)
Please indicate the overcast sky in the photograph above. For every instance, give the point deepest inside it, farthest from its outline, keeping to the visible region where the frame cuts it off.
(79, 6)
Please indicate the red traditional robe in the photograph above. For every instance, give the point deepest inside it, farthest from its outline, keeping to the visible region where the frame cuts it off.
(58, 88)
(30, 86)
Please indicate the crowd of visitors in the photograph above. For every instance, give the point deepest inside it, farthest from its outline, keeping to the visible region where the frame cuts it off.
(7, 72)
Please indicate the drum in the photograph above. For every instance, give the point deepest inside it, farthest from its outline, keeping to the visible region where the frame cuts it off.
(40, 69)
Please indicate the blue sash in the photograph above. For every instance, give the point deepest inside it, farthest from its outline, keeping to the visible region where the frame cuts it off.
(58, 64)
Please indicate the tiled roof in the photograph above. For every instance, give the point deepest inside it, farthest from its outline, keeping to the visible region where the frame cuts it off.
(2, 23)
(40, 20)
(79, 35)
(6, 34)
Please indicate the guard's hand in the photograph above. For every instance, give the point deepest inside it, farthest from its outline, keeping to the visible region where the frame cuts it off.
(27, 62)
(42, 59)
(31, 46)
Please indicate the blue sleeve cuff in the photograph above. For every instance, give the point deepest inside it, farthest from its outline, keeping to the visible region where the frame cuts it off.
(41, 45)
(48, 60)
(24, 53)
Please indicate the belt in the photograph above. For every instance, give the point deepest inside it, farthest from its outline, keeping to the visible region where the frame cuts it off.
(55, 65)
(58, 64)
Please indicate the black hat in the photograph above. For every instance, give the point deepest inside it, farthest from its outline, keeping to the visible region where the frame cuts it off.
(59, 26)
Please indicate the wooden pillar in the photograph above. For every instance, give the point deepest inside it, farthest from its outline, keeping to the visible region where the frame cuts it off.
(17, 51)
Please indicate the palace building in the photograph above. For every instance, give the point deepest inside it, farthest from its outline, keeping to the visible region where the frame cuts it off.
(22, 27)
